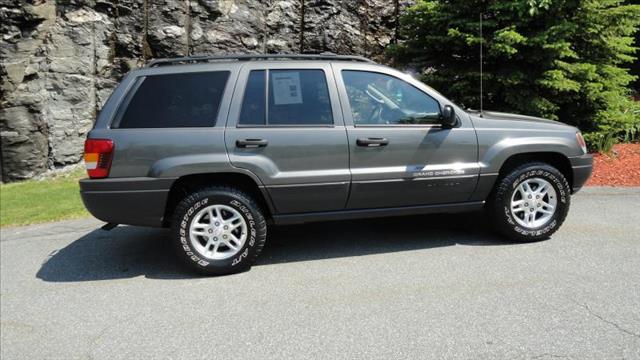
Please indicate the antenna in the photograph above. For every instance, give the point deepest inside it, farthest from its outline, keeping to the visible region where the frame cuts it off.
(481, 42)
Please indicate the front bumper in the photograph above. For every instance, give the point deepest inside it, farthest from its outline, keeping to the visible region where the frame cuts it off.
(582, 167)
(132, 201)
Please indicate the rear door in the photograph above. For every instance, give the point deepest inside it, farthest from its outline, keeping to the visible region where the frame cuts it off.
(400, 154)
(285, 126)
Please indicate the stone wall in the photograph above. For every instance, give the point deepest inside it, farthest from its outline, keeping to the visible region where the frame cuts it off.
(60, 59)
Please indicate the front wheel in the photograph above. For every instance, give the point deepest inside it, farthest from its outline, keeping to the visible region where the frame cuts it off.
(218, 230)
(530, 202)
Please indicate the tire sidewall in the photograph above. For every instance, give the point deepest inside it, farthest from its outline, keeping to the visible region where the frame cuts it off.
(563, 198)
(237, 262)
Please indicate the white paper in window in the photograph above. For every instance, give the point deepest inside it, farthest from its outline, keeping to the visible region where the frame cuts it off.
(286, 88)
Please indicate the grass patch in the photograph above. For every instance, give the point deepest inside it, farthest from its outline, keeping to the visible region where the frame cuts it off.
(36, 201)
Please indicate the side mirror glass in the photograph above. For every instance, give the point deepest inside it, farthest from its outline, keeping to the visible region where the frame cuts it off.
(448, 119)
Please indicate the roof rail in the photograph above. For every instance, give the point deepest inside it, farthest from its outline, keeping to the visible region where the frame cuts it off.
(206, 58)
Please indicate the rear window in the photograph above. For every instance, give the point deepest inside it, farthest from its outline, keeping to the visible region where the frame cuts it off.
(294, 97)
(176, 100)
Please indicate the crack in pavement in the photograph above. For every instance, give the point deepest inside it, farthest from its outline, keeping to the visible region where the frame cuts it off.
(603, 319)
(551, 355)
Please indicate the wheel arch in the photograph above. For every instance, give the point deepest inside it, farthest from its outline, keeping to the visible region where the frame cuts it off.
(487, 182)
(555, 159)
(187, 184)
(503, 155)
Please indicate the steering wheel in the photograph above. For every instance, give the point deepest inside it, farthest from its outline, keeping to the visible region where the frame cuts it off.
(376, 114)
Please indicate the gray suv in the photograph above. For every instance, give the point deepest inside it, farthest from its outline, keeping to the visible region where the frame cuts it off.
(217, 147)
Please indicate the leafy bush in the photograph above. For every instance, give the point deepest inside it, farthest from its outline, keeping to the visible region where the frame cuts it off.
(600, 141)
(563, 60)
(619, 125)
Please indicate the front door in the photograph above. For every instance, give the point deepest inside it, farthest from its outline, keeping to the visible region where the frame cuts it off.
(400, 155)
(286, 127)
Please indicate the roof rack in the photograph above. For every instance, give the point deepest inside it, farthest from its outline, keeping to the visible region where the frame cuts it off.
(206, 58)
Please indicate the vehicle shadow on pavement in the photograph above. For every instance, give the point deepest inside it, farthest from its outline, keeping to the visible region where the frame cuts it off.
(336, 239)
(130, 251)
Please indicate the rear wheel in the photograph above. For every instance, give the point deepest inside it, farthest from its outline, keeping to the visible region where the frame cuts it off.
(530, 202)
(218, 230)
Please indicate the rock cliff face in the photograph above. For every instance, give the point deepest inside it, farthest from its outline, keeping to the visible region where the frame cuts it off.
(60, 59)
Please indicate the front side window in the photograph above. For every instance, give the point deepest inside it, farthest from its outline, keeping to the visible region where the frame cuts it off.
(176, 100)
(379, 99)
(293, 97)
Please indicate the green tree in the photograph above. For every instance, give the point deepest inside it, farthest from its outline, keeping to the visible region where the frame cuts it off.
(560, 59)
(635, 69)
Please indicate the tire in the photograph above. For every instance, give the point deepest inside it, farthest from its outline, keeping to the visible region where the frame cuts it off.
(209, 214)
(520, 225)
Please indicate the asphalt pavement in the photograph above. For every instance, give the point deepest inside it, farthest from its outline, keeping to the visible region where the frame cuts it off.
(421, 287)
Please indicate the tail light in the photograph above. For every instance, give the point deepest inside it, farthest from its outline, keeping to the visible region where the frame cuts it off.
(97, 157)
(581, 142)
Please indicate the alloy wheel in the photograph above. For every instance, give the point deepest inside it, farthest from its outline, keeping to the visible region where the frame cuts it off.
(218, 232)
(533, 203)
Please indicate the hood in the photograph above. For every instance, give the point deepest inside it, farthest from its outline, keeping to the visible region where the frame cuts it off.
(496, 115)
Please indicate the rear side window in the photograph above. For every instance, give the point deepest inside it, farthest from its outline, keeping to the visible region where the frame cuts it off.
(176, 100)
(293, 97)
(254, 102)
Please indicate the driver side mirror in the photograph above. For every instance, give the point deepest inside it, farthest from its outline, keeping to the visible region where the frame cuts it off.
(448, 118)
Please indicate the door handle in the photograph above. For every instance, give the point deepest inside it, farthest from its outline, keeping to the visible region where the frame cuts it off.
(372, 142)
(251, 143)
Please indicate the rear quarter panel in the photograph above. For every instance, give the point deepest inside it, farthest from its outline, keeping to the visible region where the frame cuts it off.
(166, 152)
(147, 161)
